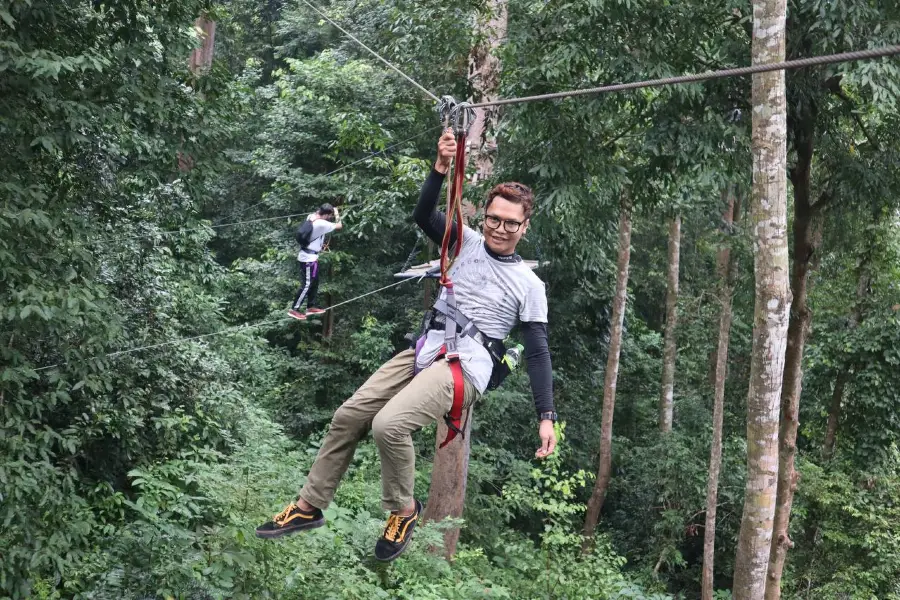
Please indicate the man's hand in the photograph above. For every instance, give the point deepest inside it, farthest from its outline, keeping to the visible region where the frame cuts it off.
(548, 439)
(446, 152)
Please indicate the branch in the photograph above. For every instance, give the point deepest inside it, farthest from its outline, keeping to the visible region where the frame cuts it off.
(833, 85)
(825, 199)
(627, 130)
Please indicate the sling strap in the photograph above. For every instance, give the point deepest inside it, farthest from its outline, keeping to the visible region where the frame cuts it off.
(307, 250)
(466, 327)
(462, 117)
(453, 419)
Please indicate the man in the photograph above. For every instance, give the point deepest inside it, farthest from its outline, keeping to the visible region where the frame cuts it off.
(317, 226)
(495, 290)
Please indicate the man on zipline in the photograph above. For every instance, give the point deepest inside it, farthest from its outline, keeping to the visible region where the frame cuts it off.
(311, 236)
(494, 289)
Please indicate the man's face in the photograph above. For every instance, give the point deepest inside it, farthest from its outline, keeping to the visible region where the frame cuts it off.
(504, 225)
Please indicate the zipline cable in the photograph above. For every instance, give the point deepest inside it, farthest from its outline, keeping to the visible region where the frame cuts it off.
(741, 71)
(227, 330)
(372, 52)
(737, 72)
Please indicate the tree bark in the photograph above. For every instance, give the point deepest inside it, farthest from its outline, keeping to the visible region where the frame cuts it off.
(773, 296)
(667, 393)
(484, 77)
(724, 268)
(804, 247)
(604, 470)
(837, 397)
(447, 494)
(202, 57)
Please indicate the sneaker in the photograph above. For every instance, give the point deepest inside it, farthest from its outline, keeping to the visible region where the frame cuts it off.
(314, 311)
(396, 536)
(290, 520)
(297, 315)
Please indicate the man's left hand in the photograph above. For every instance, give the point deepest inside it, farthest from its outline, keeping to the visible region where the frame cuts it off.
(548, 439)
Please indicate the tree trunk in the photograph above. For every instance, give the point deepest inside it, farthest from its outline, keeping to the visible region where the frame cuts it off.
(202, 57)
(719, 373)
(270, 13)
(834, 413)
(598, 496)
(447, 494)
(773, 296)
(667, 393)
(484, 77)
(199, 60)
(837, 397)
(804, 247)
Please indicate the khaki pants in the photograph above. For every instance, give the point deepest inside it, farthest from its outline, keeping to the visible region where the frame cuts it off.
(392, 403)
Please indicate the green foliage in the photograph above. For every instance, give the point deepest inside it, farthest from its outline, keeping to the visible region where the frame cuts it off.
(186, 535)
(848, 522)
(134, 467)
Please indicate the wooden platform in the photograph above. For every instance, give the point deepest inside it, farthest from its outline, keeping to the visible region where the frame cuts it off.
(431, 270)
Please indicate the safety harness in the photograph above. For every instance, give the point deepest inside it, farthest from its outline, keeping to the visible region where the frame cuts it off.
(461, 116)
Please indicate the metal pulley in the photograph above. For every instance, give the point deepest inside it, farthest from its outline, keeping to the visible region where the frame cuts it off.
(458, 115)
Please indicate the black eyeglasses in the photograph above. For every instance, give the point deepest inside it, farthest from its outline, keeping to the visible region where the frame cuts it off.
(509, 225)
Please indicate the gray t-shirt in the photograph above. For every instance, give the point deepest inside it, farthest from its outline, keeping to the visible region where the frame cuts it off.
(321, 228)
(495, 295)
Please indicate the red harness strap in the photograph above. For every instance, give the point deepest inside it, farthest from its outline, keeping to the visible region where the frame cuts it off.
(453, 419)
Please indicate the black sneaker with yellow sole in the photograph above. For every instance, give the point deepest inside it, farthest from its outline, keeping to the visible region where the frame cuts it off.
(291, 520)
(397, 534)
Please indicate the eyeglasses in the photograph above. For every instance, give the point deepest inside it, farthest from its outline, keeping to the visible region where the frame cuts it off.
(509, 225)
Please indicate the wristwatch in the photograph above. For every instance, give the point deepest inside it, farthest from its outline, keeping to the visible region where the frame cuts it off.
(548, 416)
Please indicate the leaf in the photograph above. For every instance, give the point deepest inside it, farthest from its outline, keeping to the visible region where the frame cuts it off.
(7, 18)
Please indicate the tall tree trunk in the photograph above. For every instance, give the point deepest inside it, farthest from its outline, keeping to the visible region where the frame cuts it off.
(834, 411)
(270, 13)
(604, 470)
(447, 494)
(667, 393)
(804, 247)
(484, 77)
(719, 373)
(202, 57)
(773, 297)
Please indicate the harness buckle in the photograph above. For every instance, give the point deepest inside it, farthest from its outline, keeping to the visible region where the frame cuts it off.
(453, 427)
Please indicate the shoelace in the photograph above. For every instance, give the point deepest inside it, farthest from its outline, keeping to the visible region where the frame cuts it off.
(392, 531)
(280, 517)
